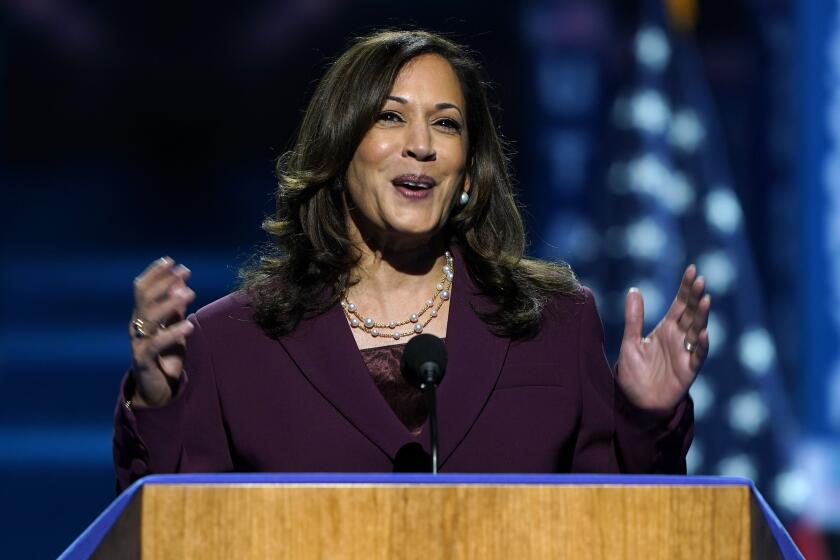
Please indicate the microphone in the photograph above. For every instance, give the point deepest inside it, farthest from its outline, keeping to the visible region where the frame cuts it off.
(423, 365)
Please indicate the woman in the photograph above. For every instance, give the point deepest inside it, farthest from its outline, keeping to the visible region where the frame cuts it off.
(395, 215)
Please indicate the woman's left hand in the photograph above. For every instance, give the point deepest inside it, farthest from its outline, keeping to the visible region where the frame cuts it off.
(655, 371)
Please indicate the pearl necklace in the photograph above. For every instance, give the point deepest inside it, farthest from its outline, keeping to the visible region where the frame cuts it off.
(443, 291)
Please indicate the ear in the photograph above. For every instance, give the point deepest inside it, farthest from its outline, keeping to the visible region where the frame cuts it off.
(468, 173)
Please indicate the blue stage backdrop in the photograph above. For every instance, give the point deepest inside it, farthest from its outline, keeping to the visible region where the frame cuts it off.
(659, 195)
(818, 110)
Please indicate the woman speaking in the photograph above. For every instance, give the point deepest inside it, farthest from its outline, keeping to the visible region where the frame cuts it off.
(396, 216)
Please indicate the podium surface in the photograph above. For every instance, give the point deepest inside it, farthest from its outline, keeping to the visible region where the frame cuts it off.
(436, 516)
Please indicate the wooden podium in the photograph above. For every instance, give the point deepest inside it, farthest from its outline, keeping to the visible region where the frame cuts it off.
(386, 516)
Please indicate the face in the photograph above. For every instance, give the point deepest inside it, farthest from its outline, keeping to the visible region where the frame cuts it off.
(408, 170)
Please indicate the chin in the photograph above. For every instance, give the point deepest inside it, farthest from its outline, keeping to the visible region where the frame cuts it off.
(412, 224)
(414, 228)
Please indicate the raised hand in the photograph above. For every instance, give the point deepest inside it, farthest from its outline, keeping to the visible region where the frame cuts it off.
(655, 371)
(158, 330)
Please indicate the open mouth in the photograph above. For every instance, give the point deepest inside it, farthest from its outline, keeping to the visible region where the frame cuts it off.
(414, 186)
(414, 182)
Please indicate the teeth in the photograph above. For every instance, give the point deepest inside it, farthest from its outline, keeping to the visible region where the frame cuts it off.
(413, 184)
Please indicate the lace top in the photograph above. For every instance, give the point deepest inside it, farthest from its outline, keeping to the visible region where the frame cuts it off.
(405, 400)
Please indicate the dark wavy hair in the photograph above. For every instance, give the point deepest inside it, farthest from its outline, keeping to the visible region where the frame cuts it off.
(306, 265)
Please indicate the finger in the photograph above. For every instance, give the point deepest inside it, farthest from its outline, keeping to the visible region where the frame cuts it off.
(153, 271)
(165, 339)
(701, 319)
(174, 306)
(689, 312)
(700, 352)
(157, 289)
(634, 315)
(162, 290)
(683, 292)
(160, 315)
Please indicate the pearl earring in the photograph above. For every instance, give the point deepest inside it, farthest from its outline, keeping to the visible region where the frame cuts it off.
(465, 197)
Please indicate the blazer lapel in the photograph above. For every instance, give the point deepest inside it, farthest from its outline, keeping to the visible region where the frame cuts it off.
(476, 357)
(326, 353)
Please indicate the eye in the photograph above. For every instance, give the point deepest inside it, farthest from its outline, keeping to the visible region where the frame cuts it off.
(450, 124)
(389, 116)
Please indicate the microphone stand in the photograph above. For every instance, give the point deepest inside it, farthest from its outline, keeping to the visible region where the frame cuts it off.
(430, 392)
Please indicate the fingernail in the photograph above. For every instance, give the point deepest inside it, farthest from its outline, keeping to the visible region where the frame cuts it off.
(632, 290)
(183, 268)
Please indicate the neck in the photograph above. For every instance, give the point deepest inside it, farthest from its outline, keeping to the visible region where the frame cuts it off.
(394, 266)
(390, 261)
(395, 281)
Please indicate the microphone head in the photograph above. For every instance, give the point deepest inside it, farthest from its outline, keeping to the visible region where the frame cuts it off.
(424, 360)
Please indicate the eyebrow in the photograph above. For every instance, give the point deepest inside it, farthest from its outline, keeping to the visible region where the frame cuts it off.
(438, 106)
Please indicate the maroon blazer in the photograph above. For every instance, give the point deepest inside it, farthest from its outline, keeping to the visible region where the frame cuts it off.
(307, 403)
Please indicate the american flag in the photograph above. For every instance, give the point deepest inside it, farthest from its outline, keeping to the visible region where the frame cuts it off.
(639, 186)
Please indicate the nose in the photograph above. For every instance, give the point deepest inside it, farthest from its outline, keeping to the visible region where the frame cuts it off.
(418, 143)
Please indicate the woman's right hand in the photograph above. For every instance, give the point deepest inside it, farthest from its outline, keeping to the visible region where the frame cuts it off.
(158, 331)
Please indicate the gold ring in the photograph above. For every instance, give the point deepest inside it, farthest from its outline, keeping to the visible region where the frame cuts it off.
(141, 328)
